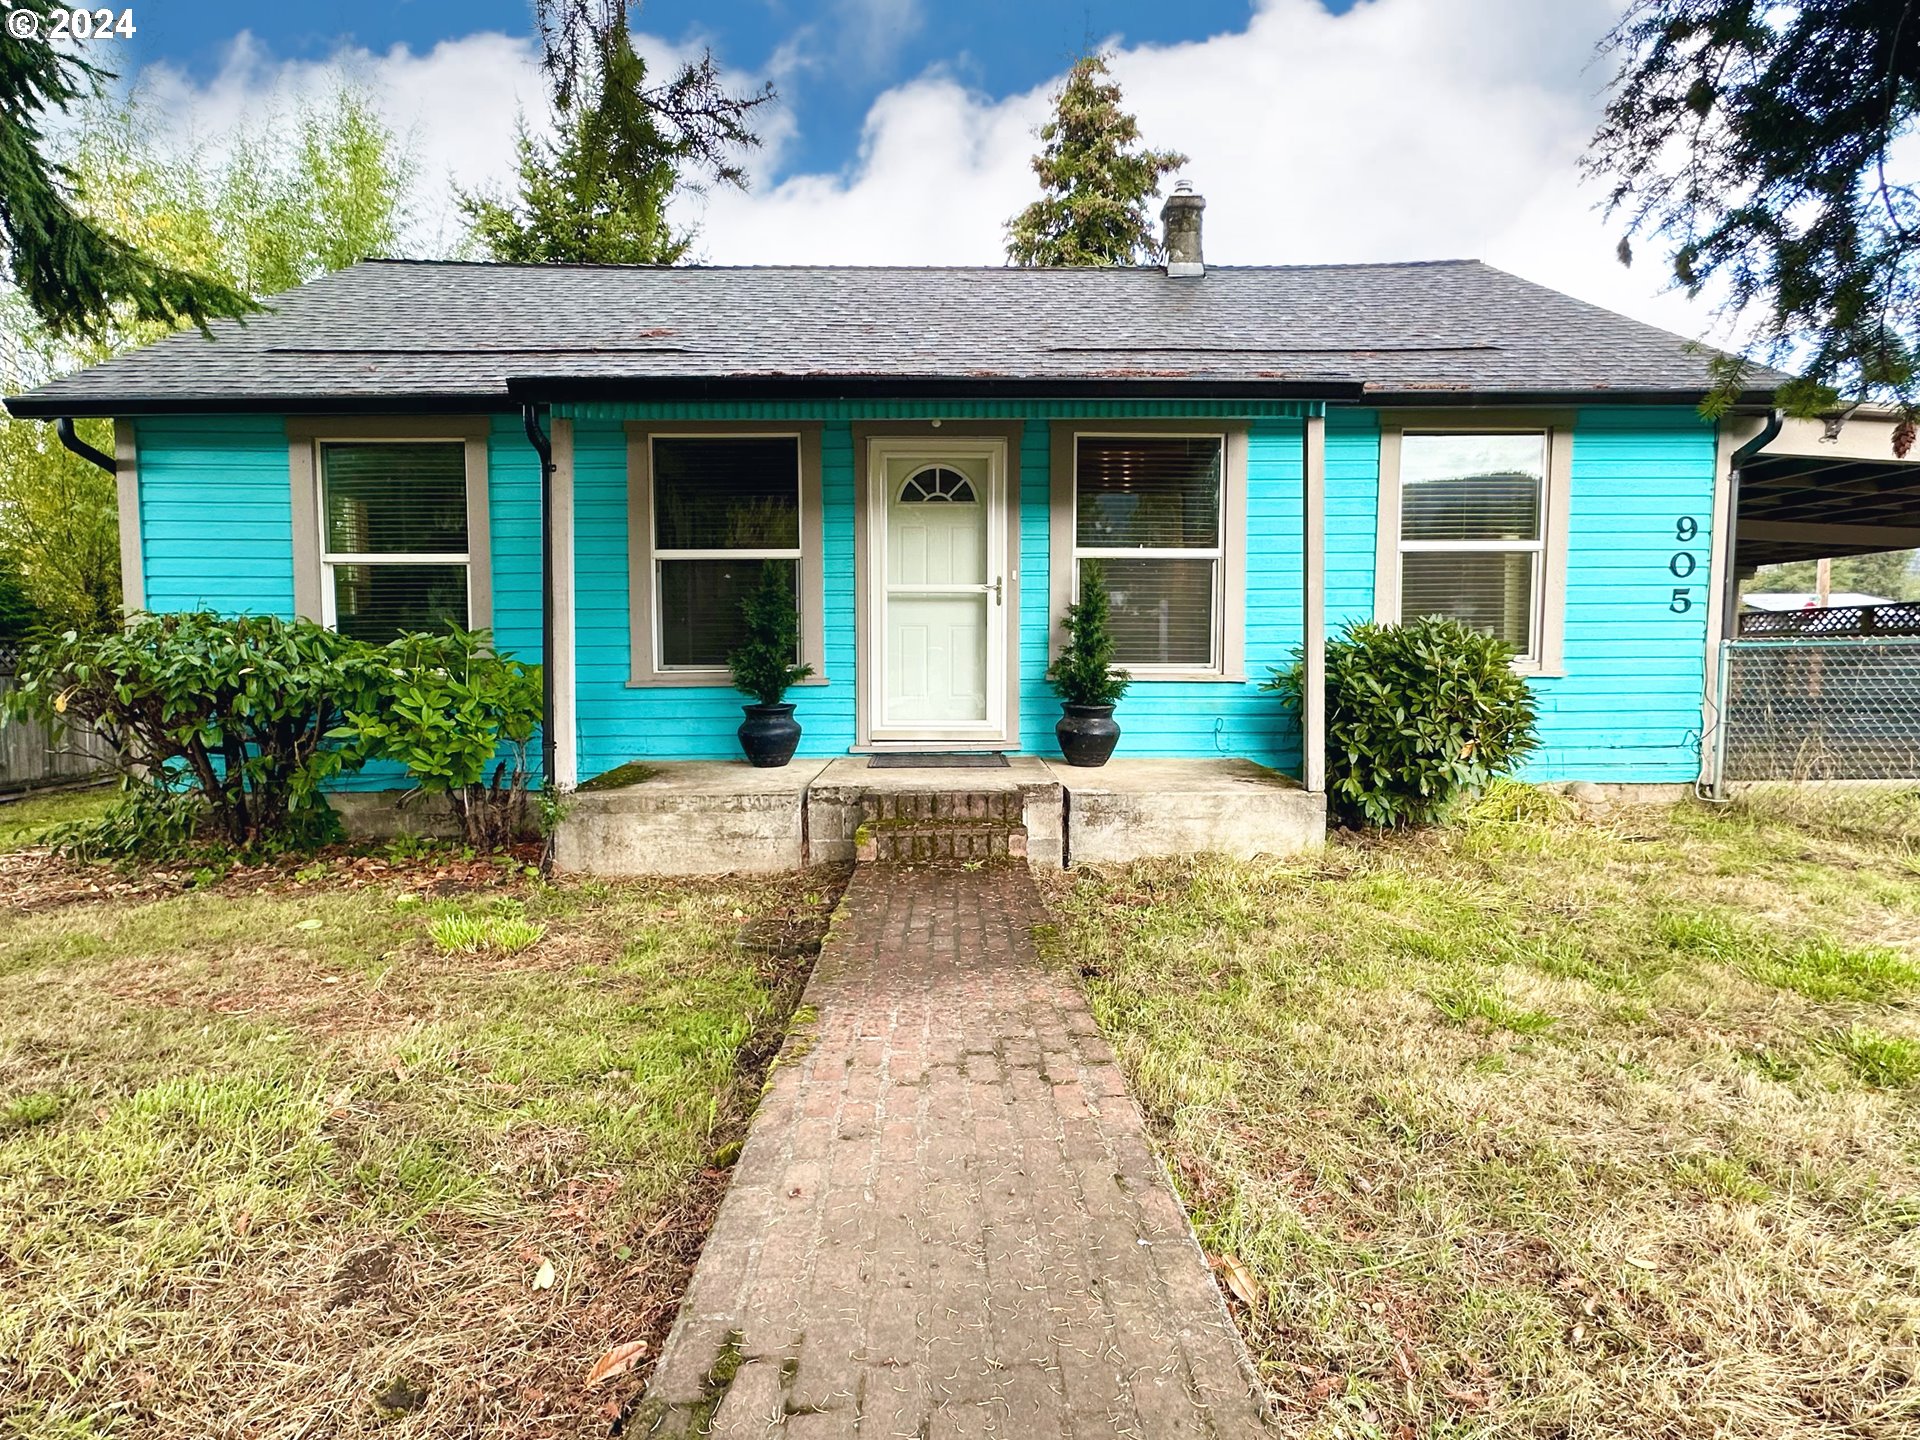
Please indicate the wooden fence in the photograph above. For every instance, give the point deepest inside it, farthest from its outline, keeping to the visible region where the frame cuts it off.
(30, 757)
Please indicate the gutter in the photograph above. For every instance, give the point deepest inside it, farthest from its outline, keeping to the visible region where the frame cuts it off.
(543, 446)
(63, 427)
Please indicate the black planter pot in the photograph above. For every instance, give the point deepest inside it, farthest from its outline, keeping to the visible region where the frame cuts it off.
(1087, 734)
(769, 734)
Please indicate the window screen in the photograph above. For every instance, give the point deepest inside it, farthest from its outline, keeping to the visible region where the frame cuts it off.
(722, 508)
(394, 520)
(1147, 509)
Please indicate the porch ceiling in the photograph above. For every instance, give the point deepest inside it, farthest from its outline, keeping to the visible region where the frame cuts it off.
(1797, 507)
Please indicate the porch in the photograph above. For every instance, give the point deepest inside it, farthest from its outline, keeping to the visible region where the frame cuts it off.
(701, 817)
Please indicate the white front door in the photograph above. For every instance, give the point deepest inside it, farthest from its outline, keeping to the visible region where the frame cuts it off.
(940, 550)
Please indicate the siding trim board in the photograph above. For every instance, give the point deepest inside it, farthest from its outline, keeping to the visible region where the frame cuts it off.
(126, 481)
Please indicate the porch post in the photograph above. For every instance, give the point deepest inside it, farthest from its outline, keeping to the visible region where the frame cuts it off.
(1313, 605)
(566, 740)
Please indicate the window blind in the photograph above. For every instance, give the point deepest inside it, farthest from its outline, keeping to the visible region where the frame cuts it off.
(396, 499)
(1138, 492)
(395, 536)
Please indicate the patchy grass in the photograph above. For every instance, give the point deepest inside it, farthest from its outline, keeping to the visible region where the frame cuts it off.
(1543, 1126)
(498, 925)
(282, 1162)
(25, 818)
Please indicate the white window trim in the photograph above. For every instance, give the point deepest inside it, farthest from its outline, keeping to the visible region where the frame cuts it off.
(643, 559)
(314, 564)
(1229, 557)
(1548, 658)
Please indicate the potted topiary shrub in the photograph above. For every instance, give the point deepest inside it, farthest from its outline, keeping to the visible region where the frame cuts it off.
(763, 667)
(1084, 678)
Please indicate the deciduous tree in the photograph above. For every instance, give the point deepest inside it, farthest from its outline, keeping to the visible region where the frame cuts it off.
(1096, 182)
(274, 203)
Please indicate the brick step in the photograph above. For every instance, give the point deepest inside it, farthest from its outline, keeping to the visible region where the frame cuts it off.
(935, 826)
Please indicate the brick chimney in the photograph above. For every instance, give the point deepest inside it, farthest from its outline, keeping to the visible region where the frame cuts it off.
(1180, 220)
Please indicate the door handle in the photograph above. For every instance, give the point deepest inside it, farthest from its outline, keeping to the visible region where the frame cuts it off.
(996, 590)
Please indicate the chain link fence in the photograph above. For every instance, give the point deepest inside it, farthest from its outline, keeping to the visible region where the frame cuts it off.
(1826, 731)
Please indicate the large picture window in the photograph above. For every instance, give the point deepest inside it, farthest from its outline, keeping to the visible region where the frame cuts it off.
(395, 548)
(723, 508)
(1148, 509)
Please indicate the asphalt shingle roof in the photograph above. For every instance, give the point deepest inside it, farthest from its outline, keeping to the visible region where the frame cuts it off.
(457, 332)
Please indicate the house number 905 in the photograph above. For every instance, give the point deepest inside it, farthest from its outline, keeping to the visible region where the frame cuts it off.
(1683, 564)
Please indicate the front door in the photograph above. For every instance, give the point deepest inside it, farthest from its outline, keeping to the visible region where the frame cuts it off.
(940, 560)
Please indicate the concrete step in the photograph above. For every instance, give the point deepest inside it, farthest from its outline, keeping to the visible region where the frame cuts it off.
(933, 827)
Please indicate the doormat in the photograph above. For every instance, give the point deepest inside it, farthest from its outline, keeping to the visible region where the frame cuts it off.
(914, 760)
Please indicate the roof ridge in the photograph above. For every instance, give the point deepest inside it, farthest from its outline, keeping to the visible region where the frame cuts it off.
(452, 263)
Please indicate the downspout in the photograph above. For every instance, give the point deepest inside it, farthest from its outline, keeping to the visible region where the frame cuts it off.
(63, 427)
(1730, 594)
(530, 417)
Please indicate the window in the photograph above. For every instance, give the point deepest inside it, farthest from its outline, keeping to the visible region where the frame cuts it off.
(1149, 510)
(723, 509)
(711, 506)
(1473, 526)
(394, 547)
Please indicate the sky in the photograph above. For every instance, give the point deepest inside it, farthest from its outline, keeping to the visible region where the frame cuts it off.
(1319, 130)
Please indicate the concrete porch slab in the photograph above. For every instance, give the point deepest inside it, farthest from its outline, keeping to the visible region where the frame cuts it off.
(1137, 809)
(690, 817)
(712, 817)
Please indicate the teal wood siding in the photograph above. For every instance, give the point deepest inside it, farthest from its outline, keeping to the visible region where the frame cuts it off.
(216, 514)
(1178, 718)
(1628, 707)
(1353, 511)
(619, 722)
(513, 515)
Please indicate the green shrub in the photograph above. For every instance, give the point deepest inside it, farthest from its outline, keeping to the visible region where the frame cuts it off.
(460, 718)
(763, 665)
(239, 712)
(1084, 673)
(1420, 716)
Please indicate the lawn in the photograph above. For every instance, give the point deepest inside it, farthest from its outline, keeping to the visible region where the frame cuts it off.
(1542, 1125)
(369, 1146)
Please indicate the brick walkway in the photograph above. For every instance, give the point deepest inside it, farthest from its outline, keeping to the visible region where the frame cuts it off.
(947, 1220)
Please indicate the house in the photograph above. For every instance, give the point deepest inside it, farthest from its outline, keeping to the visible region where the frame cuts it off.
(1255, 454)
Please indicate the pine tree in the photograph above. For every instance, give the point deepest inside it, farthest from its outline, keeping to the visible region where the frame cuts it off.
(78, 277)
(1764, 148)
(599, 193)
(1096, 184)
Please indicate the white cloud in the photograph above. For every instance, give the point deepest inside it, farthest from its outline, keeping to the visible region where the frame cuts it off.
(1401, 129)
